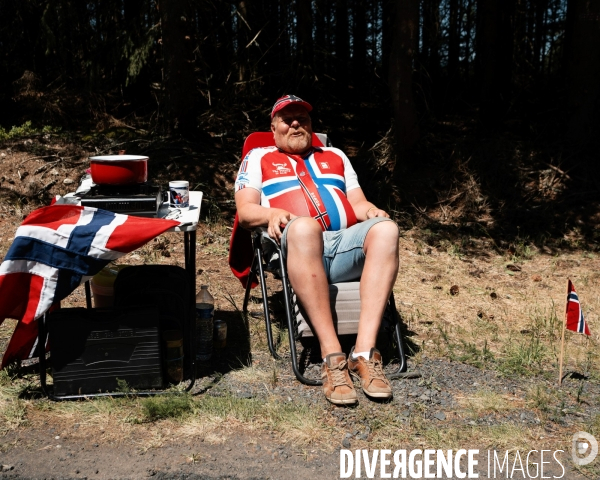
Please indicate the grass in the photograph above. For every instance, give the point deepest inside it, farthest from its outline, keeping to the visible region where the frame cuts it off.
(461, 349)
(12, 408)
(167, 406)
(511, 351)
(540, 397)
(499, 437)
(254, 375)
(418, 431)
(212, 417)
(514, 334)
(523, 357)
(520, 250)
(484, 402)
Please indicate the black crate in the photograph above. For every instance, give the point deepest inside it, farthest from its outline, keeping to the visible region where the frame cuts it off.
(91, 349)
(166, 287)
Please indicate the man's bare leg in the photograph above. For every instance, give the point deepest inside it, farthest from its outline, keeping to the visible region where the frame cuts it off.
(308, 278)
(378, 277)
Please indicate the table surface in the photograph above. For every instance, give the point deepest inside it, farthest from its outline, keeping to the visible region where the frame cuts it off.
(189, 218)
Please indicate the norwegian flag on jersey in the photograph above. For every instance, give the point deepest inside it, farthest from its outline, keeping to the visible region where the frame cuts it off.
(55, 249)
(575, 320)
(283, 190)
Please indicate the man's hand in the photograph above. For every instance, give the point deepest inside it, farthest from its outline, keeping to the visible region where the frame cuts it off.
(376, 212)
(363, 209)
(251, 214)
(278, 219)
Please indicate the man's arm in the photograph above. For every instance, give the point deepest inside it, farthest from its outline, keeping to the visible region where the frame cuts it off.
(363, 209)
(252, 214)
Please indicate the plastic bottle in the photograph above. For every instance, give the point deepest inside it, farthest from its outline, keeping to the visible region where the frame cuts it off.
(205, 308)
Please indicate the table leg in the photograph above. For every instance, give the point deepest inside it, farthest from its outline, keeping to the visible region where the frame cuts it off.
(88, 295)
(42, 352)
(190, 267)
(190, 261)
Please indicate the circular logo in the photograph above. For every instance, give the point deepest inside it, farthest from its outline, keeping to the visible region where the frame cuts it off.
(584, 449)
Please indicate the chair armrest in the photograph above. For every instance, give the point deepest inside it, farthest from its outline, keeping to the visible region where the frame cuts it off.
(271, 250)
(264, 236)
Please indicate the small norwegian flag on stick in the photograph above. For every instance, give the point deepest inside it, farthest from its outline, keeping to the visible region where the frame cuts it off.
(574, 321)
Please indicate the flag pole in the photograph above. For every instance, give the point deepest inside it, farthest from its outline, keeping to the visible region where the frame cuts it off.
(562, 341)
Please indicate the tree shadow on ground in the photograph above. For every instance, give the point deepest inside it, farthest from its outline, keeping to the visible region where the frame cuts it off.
(237, 352)
(235, 355)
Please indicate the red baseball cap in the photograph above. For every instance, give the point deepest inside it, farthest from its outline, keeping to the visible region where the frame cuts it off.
(287, 100)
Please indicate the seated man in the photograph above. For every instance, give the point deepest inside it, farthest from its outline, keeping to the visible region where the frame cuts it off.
(310, 201)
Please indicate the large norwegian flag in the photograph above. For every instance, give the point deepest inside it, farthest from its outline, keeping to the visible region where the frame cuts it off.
(55, 249)
(575, 320)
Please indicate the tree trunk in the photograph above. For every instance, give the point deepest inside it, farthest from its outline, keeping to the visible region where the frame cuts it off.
(283, 45)
(431, 37)
(244, 36)
(323, 37)
(179, 81)
(269, 42)
(359, 44)
(31, 14)
(387, 34)
(304, 51)
(400, 75)
(539, 33)
(468, 16)
(342, 40)
(453, 41)
(520, 40)
(494, 54)
(583, 67)
(133, 11)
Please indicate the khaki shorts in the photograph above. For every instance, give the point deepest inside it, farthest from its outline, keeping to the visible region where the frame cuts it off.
(343, 254)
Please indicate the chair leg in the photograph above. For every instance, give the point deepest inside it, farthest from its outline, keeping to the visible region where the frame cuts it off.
(249, 285)
(290, 322)
(401, 371)
(263, 288)
(257, 264)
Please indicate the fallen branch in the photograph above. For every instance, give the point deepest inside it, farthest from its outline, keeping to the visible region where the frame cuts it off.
(562, 172)
(46, 187)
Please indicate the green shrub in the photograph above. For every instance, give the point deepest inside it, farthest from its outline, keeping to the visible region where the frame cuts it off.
(167, 406)
(25, 130)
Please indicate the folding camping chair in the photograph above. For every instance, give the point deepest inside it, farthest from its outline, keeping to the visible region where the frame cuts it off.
(344, 297)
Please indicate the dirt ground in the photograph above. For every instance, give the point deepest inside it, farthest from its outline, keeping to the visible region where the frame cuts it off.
(482, 322)
(243, 457)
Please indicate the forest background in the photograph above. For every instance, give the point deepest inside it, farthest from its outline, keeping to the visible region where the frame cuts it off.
(488, 109)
